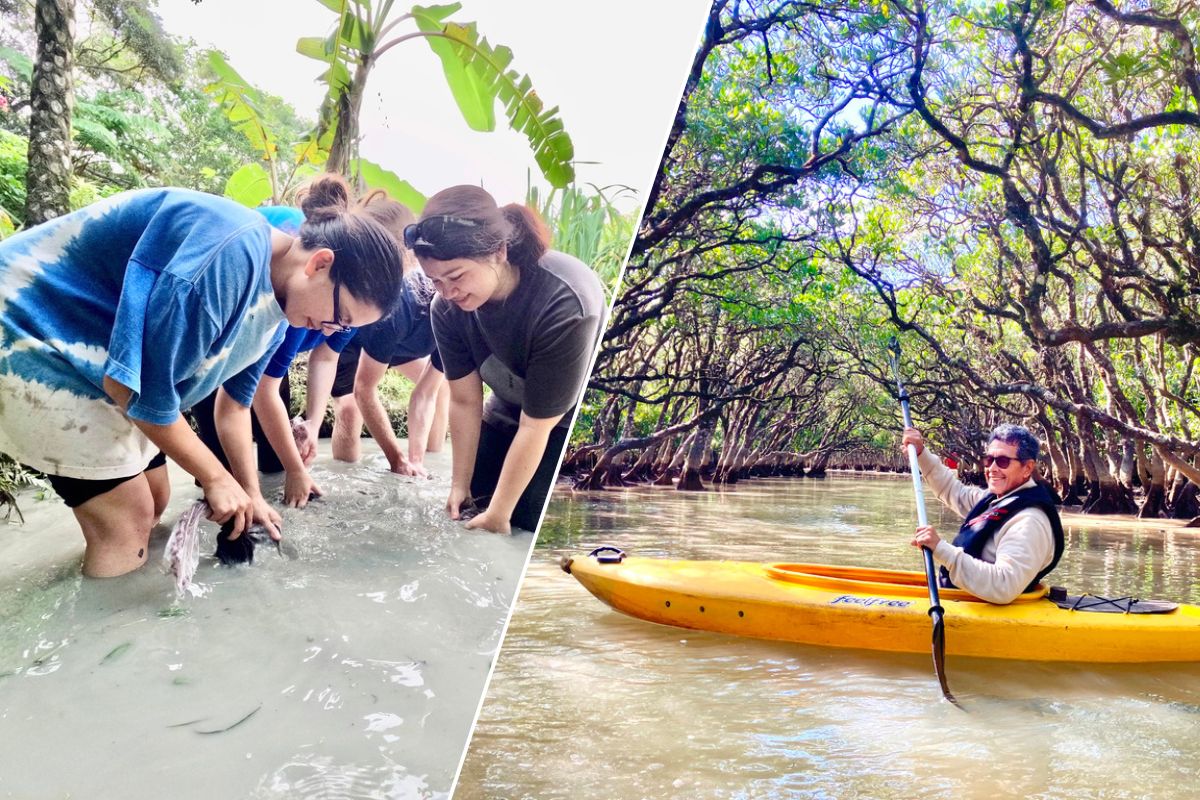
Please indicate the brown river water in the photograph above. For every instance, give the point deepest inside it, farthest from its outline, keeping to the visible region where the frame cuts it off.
(588, 703)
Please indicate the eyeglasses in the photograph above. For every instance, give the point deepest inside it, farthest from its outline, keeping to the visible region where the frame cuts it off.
(1002, 462)
(336, 327)
(417, 234)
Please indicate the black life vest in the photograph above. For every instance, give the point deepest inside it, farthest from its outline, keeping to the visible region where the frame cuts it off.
(985, 519)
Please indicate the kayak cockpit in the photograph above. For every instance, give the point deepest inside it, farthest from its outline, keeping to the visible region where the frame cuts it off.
(863, 580)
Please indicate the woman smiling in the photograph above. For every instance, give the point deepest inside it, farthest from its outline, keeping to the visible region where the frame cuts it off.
(521, 318)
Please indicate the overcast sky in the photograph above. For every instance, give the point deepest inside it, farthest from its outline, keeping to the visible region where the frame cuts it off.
(615, 70)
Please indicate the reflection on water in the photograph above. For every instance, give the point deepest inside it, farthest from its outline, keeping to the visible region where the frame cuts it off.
(354, 671)
(589, 703)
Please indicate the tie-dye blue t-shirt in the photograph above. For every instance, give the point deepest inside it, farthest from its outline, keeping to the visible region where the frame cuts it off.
(297, 340)
(166, 291)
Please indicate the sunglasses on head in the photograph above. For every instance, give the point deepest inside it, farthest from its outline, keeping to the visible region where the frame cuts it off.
(417, 234)
(1002, 462)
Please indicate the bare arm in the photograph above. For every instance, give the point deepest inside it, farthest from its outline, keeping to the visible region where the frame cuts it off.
(226, 498)
(233, 429)
(466, 415)
(273, 417)
(322, 371)
(421, 408)
(521, 462)
(366, 383)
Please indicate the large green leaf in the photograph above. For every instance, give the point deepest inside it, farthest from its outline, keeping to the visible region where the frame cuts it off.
(241, 102)
(313, 47)
(552, 147)
(470, 89)
(250, 186)
(376, 177)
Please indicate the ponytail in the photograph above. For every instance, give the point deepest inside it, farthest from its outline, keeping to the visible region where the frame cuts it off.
(529, 239)
(465, 222)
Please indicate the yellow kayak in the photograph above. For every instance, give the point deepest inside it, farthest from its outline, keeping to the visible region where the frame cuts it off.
(877, 610)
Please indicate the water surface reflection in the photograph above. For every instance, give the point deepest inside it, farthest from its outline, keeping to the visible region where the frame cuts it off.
(588, 703)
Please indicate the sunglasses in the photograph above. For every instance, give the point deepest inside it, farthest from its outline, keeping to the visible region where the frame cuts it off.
(417, 234)
(336, 327)
(1002, 462)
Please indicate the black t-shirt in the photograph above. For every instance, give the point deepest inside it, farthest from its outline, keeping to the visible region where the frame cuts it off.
(534, 348)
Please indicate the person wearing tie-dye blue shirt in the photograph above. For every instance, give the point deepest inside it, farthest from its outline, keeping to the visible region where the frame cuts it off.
(117, 316)
(276, 448)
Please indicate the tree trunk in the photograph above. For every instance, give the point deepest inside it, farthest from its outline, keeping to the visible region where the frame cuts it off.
(677, 461)
(48, 180)
(1156, 489)
(697, 456)
(345, 137)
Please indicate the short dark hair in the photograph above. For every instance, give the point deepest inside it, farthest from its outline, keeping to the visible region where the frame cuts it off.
(1026, 443)
(465, 222)
(366, 257)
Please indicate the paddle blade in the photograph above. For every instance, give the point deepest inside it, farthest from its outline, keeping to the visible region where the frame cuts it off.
(939, 656)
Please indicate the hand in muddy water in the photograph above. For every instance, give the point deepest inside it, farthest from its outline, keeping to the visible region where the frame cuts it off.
(402, 466)
(241, 550)
(227, 500)
(459, 504)
(298, 489)
(489, 520)
(268, 517)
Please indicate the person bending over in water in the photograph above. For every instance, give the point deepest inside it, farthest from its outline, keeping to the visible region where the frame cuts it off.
(117, 316)
(404, 342)
(277, 447)
(1011, 537)
(524, 320)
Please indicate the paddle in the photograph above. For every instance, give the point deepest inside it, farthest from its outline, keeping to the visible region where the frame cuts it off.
(936, 613)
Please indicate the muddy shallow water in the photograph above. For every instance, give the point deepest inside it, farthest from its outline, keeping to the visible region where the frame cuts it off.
(353, 671)
(588, 703)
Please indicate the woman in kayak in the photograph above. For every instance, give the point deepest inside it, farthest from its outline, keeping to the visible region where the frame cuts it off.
(524, 320)
(117, 316)
(1011, 537)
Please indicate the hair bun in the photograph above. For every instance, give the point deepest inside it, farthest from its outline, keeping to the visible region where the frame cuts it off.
(325, 198)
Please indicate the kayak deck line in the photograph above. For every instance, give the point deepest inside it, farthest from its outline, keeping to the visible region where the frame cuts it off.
(875, 610)
(885, 581)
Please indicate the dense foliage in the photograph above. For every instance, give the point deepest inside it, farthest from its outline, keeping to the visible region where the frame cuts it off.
(1007, 186)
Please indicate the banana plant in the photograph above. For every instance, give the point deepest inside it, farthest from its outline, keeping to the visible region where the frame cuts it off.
(283, 166)
(477, 73)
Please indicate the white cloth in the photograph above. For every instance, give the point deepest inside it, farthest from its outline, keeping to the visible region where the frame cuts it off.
(1022, 548)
